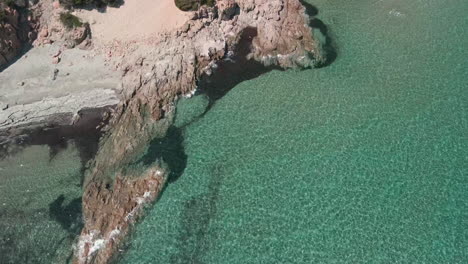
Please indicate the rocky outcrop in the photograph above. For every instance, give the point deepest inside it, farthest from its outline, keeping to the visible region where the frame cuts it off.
(51, 28)
(121, 205)
(36, 23)
(121, 180)
(153, 78)
(123, 176)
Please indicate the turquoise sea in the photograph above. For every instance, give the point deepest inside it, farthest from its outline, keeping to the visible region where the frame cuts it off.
(362, 161)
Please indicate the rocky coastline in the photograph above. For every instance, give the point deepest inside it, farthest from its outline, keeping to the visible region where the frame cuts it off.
(49, 79)
(121, 180)
(152, 81)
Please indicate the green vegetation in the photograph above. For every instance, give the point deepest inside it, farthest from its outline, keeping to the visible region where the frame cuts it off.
(7, 2)
(192, 5)
(70, 21)
(98, 3)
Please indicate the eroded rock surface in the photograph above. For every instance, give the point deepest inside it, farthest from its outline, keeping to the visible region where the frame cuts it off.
(154, 75)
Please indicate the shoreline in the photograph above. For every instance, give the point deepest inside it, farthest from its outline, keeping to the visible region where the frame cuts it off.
(149, 77)
(85, 132)
(35, 91)
(119, 183)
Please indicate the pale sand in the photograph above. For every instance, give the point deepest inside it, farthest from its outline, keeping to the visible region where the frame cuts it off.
(134, 20)
(33, 90)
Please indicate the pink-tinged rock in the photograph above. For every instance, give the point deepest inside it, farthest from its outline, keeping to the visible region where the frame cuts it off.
(56, 4)
(44, 33)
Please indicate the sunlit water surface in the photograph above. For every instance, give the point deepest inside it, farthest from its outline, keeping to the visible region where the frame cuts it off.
(364, 161)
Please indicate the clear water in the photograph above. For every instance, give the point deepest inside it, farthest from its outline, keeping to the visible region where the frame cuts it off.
(364, 161)
(40, 206)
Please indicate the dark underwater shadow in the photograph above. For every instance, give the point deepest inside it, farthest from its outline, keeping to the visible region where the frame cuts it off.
(231, 71)
(329, 47)
(85, 134)
(194, 236)
(19, 245)
(171, 150)
(68, 216)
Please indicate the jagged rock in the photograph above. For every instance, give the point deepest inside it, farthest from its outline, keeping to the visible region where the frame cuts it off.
(51, 28)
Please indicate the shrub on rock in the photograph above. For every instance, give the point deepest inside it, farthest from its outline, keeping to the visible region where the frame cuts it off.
(193, 5)
(70, 21)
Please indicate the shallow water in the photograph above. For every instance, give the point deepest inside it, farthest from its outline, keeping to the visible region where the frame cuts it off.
(365, 160)
(40, 205)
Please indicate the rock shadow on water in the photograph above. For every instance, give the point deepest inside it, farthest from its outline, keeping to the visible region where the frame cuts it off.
(69, 216)
(195, 236)
(229, 73)
(85, 135)
(171, 150)
(328, 45)
(232, 71)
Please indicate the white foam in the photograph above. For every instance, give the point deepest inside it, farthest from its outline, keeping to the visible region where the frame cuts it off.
(114, 233)
(98, 244)
(396, 13)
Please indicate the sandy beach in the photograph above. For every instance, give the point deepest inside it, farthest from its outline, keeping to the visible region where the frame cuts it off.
(134, 20)
(35, 88)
